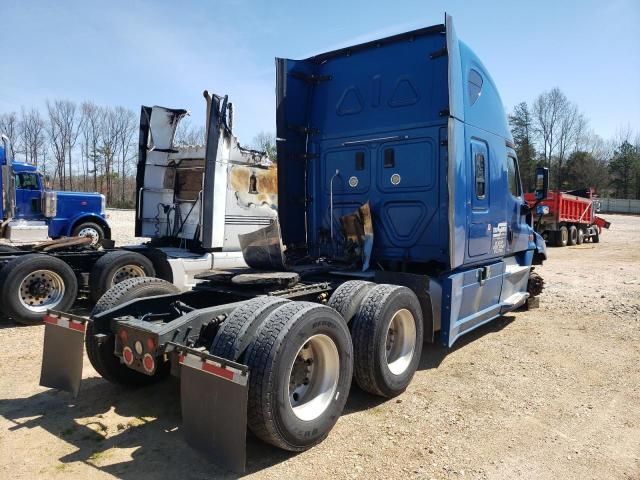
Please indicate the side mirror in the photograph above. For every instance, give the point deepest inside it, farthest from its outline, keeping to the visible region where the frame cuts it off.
(542, 183)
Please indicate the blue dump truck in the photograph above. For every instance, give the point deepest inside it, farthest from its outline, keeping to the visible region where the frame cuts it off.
(29, 212)
(401, 221)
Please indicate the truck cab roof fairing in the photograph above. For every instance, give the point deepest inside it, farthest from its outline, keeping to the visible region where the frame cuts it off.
(473, 100)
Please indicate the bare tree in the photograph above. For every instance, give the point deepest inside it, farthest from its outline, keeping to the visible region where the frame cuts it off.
(57, 143)
(91, 127)
(560, 129)
(10, 127)
(108, 147)
(63, 133)
(188, 134)
(570, 124)
(126, 128)
(266, 142)
(546, 114)
(33, 139)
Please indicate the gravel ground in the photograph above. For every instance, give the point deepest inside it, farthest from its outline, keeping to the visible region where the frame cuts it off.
(122, 227)
(549, 393)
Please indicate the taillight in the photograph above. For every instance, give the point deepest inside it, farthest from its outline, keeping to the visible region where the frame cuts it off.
(123, 336)
(127, 355)
(151, 344)
(148, 363)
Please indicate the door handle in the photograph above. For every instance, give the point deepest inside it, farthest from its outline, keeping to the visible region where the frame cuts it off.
(483, 274)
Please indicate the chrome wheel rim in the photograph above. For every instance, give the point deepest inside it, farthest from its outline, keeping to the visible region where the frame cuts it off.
(400, 341)
(41, 290)
(90, 232)
(313, 377)
(125, 272)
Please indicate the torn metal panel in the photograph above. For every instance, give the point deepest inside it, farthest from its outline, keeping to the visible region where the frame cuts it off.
(358, 233)
(209, 193)
(263, 249)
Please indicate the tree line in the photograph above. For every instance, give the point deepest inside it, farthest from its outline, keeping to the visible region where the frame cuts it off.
(553, 132)
(88, 147)
(85, 146)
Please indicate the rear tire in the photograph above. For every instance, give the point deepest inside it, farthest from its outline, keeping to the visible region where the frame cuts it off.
(101, 354)
(298, 342)
(34, 283)
(114, 267)
(238, 330)
(387, 340)
(573, 235)
(562, 237)
(596, 236)
(346, 299)
(580, 238)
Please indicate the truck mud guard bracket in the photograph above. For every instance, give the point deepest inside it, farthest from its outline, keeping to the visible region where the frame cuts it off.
(213, 396)
(62, 352)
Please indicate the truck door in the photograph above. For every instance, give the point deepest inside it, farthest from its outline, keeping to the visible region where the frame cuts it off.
(517, 227)
(28, 195)
(480, 228)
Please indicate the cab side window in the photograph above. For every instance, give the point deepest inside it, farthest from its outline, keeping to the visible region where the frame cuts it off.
(513, 176)
(27, 181)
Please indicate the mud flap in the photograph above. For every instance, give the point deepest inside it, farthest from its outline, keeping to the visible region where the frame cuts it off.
(62, 352)
(213, 395)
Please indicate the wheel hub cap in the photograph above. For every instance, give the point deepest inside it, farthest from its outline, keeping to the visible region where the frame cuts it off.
(313, 377)
(90, 232)
(400, 342)
(41, 290)
(125, 272)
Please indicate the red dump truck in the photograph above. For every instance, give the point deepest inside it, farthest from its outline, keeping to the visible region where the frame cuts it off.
(567, 218)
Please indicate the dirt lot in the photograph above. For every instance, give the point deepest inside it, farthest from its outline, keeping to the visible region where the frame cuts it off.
(550, 393)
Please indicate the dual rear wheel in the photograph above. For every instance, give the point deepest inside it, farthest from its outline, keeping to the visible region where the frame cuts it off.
(302, 357)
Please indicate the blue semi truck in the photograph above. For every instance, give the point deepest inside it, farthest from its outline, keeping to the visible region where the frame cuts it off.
(30, 212)
(401, 221)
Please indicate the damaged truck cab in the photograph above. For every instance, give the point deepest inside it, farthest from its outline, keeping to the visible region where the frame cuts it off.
(401, 219)
(414, 125)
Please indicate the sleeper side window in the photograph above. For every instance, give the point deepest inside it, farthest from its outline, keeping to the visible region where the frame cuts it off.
(513, 176)
(474, 86)
(481, 175)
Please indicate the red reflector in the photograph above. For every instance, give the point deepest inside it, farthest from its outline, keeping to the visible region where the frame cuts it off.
(127, 355)
(148, 363)
(83, 203)
(123, 336)
(151, 344)
(220, 372)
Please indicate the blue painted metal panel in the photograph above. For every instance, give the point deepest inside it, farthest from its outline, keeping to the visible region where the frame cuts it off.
(487, 112)
(72, 207)
(471, 298)
(377, 101)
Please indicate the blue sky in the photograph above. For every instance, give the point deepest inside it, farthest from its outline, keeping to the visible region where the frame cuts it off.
(167, 52)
